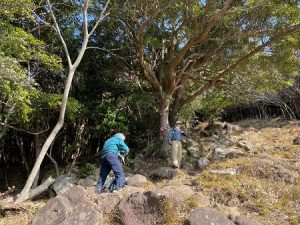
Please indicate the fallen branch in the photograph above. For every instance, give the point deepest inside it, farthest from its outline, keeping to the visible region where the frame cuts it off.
(41, 188)
(36, 191)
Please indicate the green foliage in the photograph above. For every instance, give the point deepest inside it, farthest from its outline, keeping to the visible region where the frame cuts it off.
(11, 69)
(108, 118)
(17, 43)
(88, 169)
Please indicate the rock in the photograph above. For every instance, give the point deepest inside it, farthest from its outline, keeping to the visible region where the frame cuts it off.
(219, 151)
(76, 195)
(224, 140)
(84, 214)
(145, 208)
(208, 216)
(231, 171)
(218, 154)
(245, 145)
(202, 163)
(137, 181)
(194, 152)
(54, 212)
(72, 207)
(163, 173)
(62, 184)
(233, 154)
(138, 162)
(230, 128)
(87, 182)
(184, 190)
(242, 220)
(187, 166)
(191, 142)
(108, 201)
(296, 141)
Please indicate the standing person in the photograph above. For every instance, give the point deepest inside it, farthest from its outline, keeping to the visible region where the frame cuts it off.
(175, 136)
(110, 161)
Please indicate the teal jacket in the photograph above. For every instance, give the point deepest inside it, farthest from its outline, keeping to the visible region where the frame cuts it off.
(116, 145)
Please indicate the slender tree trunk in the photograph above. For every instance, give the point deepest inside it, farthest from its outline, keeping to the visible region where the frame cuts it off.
(77, 153)
(72, 67)
(19, 142)
(24, 194)
(37, 144)
(164, 127)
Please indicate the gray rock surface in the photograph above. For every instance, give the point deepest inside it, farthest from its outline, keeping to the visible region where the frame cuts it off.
(137, 181)
(144, 208)
(208, 216)
(62, 184)
(71, 207)
(163, 173)
(202, 163)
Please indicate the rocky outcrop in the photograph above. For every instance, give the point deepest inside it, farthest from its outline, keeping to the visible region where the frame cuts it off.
(73, 207)
(144, 208)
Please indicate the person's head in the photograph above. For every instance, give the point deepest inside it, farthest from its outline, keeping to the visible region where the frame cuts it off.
(178, 124)
(121, 135)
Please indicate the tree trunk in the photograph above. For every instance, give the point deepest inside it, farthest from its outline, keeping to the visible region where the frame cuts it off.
(19, 142)
(37, 144)
(77, 153)
(24, 194)
(164, 128)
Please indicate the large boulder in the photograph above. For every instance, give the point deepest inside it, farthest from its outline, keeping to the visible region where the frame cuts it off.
(137, 181)
(84, 214)
(54, 212)
(72, 207)
(146, 208)
(108, 201)
(208, 216)
(163, 173)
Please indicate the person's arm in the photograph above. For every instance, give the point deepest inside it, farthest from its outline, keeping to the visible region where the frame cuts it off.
(123, 147)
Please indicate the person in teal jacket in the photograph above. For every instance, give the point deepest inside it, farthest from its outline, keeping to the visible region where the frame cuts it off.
(110, 161)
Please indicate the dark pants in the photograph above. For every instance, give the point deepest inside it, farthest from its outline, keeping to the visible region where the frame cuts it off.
(110, 162)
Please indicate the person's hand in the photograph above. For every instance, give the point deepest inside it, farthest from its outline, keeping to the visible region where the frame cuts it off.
(170, 142)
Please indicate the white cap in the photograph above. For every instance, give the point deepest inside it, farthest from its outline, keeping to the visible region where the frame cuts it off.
(120, 135)
(178, 122)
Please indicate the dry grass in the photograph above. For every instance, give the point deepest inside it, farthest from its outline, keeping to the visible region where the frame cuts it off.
(268, 182)
(22, 217)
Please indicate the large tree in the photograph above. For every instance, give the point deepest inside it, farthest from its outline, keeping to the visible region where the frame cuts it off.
(186, 48)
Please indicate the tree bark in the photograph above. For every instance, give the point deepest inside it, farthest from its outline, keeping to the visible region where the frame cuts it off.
(25, 192)
(37, 144)
(164, 127)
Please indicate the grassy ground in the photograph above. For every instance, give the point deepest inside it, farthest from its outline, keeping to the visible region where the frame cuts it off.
(267, 186)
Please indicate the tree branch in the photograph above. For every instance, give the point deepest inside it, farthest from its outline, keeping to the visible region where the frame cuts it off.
(101, 17)
(230, 68)
(59, 34)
